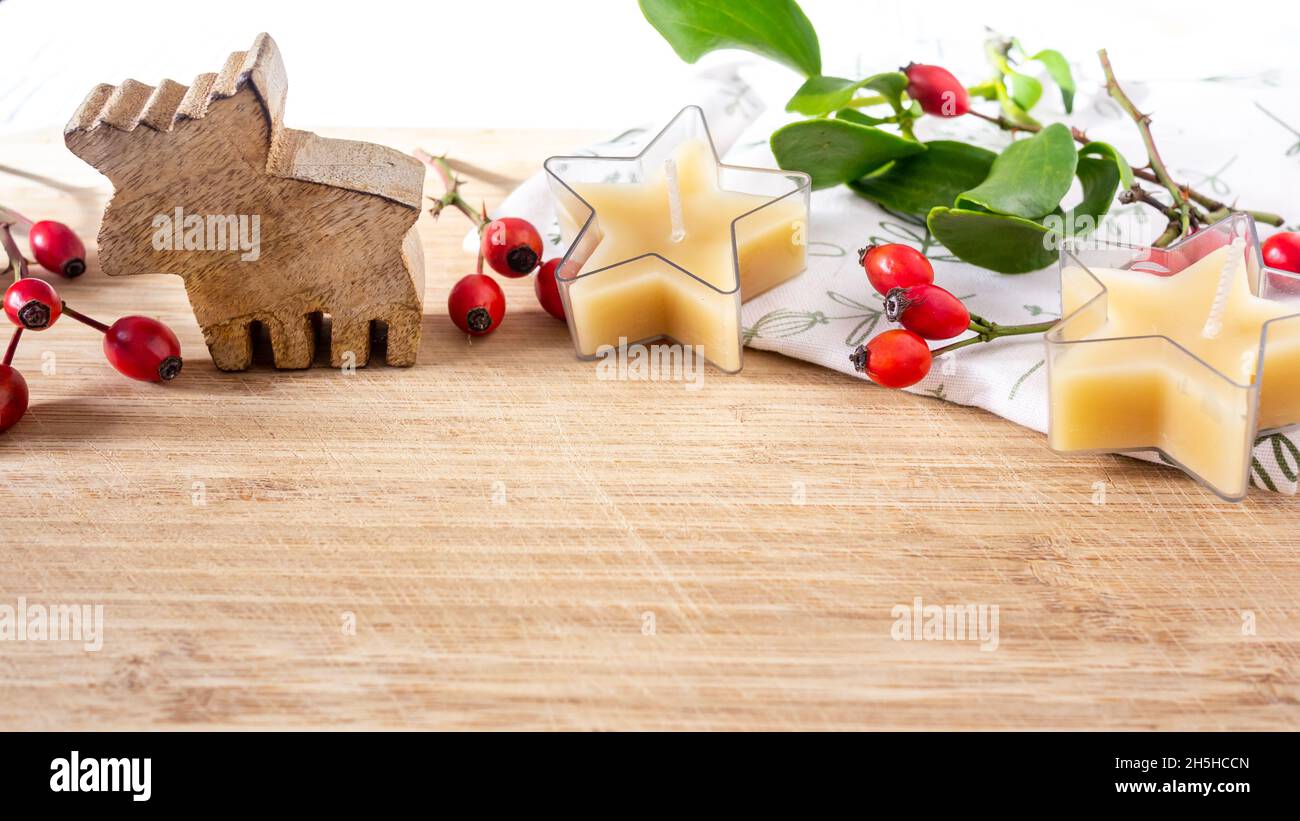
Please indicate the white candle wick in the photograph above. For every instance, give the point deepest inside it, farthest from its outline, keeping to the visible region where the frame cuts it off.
(1214, 322)
(674, 200)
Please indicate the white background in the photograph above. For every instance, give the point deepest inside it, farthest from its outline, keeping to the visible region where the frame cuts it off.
(572, 63)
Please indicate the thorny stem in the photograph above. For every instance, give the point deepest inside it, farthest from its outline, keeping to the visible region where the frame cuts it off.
(85, 320)
(1002, 122)
(1157, 164)
(17, 262)
(1139, 194)
(451, 188)
(13, 345)
(986, 331)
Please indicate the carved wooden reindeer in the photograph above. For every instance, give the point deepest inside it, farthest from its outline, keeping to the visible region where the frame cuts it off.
(264, 223)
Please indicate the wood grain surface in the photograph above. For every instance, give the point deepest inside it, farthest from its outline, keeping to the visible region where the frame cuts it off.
(522, 545)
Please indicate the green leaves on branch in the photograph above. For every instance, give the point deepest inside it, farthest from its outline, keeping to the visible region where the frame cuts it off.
(1001, 212)
(1012, 222)
(776, 29)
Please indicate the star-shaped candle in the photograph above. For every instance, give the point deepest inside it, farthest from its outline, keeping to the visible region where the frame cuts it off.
(668, 243)
(1190, 351)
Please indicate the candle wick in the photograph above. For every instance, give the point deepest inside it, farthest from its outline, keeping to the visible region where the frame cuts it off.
(1214, 322)
(674, 200)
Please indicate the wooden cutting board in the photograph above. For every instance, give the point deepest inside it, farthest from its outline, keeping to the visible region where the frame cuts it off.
(495, 538)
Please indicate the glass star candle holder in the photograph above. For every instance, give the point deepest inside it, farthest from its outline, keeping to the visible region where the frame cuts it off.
(667, 244)
(1191, 351)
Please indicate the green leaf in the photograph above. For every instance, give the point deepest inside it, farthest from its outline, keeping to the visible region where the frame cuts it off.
(1025, 91)
(1008, 245)
(776, 29)
(1030, 177)
(1011, 108)
(932, 178)
(1106, 150)
(1059, 70)
(1099, 179)
(822, 95)
(854, 116)
(836, 151)
(819, 94)
(890, 85)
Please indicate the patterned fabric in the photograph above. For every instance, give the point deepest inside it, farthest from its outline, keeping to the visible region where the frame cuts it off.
(1250, 144)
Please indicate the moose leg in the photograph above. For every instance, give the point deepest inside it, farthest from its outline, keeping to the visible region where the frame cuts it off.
(350, 340)
(230, 344)
(293, 341)
(403, 336)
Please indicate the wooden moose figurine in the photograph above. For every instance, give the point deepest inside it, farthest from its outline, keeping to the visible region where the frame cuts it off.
(265, 223)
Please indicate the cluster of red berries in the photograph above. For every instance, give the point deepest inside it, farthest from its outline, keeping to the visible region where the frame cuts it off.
(900, 357)
(513, 248)
(137, 346)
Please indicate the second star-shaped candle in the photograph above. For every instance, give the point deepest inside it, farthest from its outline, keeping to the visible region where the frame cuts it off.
(1191, 351)
(669, 243)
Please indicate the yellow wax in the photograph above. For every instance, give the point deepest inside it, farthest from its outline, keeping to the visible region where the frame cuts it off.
(648, 298)
(1137, 394)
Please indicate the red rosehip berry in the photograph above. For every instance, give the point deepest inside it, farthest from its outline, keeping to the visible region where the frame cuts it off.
(143, 348)
(32, 304)
(928, 311)
(511, 246)
(937, 90)
(894, 359)
(476, 304)
(1282, 251)
(57, 249)
(547, 288)
(13, 397)
(895, 266)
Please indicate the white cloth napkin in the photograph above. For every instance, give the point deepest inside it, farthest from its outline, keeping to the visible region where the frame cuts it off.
(1226, 137)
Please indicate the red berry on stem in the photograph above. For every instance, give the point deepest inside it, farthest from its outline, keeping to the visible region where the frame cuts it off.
(894, 359)
(476, 304)
(895, 266)
(511, 246)
(143, 348)
(937, 90)
(57, 248)
(547, 288)
(32, 304)
(1282, 251)
(13, 397)
(927, 310)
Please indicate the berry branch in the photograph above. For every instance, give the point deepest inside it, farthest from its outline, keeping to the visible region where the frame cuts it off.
(988, 331)
(85, 320)
(13, 346)
(451, 190)
(1185, 197)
